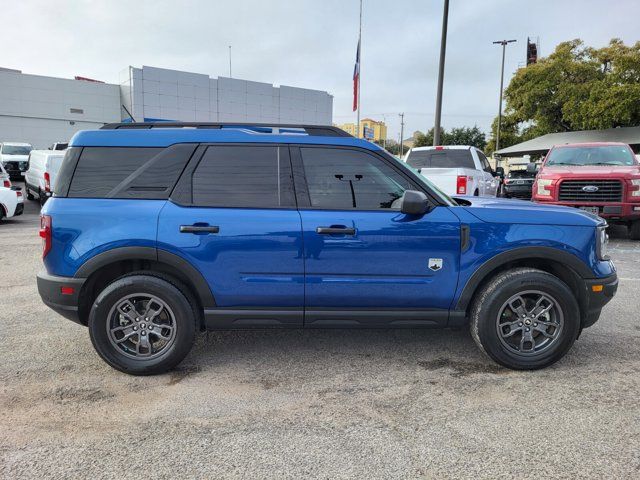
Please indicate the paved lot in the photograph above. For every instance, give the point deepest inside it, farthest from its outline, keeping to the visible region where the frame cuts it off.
(329, 404)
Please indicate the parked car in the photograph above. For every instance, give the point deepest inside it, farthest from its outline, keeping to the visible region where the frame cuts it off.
(154, 234)
(11, 202)
(456, 170)
(14, 158)
(41, 176)
(519, 183)
(601, 178)
(5, 180)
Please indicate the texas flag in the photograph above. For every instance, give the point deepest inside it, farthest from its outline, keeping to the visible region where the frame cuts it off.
(356, 79)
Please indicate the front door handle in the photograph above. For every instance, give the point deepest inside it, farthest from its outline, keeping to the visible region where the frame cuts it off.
(199, 229)
(336, 230)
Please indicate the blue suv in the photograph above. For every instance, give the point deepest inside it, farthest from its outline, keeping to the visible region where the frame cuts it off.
(159, 230)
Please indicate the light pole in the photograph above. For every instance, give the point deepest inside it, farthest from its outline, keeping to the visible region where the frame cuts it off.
(443, 48)
(401, 133)
(504, 47)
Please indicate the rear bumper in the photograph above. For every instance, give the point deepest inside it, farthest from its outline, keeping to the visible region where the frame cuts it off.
(610, 211)
(50, 290)
(600, 291)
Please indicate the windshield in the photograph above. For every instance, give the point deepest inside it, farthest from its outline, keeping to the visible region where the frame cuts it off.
(447, 158)
(16, 150)
(597, 155)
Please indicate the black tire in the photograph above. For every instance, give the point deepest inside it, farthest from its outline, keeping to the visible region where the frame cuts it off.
(486, 314)
(184, 316)
(476, 193)
(42, 198)
(634, 230)
(28, 193)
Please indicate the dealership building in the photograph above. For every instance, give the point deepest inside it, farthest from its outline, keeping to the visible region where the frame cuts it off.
(42, 110)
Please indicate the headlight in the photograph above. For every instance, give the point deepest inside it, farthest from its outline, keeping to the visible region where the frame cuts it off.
(543, 183)
(635, 191)
(602, 243)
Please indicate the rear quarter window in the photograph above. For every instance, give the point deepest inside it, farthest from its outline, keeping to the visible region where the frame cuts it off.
(448, 158)
(127, 172)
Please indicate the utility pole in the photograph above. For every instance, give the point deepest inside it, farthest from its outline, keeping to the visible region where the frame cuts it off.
(401, 133)
(504, 47)
(443, 48)
(359, 66)
(384, 140)
(230, 76)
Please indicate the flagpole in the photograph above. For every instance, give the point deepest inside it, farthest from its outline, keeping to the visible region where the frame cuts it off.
(359, 68)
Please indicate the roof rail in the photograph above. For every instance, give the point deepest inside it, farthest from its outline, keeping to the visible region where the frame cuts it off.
(314, 130)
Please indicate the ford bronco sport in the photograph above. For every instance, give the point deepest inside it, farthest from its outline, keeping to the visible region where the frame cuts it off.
(158, 231)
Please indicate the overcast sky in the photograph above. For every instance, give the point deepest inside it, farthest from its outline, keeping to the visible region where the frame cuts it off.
(312, 44)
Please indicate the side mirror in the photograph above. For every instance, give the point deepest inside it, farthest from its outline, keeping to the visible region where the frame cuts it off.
(532, 168)
(414, 203)
(500, 172)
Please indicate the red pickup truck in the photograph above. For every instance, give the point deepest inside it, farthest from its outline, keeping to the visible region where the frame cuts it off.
(602, 178)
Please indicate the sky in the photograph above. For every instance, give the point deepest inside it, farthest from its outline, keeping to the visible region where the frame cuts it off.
(312, 44)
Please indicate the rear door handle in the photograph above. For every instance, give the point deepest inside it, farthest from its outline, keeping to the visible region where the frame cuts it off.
(199, 229)
(336, 231)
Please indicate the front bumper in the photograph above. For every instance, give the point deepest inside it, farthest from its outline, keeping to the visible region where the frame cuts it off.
(518, 191)
(15, 169)
(600, 291)
(611, 211)
(50, 288)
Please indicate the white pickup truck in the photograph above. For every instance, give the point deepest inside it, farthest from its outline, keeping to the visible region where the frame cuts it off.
(455, 169)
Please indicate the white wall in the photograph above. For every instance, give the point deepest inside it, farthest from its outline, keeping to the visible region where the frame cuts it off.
(151, 92)
(37, 109)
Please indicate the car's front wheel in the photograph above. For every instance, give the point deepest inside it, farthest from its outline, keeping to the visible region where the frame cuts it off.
(525, 319)
(142, 324)
(634, 230)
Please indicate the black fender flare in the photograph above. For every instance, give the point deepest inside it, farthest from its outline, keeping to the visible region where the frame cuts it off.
(522, 253)
(157, 255)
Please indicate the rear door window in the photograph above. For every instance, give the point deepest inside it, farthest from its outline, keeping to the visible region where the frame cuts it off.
(446, 158)
(244, 176)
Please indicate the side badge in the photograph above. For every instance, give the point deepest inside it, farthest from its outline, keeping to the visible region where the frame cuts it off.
(435, 264)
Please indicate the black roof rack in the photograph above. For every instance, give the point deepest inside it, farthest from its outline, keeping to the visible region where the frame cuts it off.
(315, 130)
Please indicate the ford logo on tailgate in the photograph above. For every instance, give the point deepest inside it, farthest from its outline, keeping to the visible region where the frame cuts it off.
(590, 189)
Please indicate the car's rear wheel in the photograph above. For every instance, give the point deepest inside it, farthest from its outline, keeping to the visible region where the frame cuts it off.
(42, 198)
(142, 324)
(634, 230)
(525, 319)
(28, 192)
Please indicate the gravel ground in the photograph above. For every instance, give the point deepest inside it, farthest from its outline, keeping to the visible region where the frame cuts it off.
(328, 404)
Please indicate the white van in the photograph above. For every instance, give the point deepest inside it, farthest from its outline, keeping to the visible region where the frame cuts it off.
(41, 175)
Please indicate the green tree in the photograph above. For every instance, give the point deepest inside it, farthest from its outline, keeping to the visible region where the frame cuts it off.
(456, 136)
(391, 146)
(574, 88)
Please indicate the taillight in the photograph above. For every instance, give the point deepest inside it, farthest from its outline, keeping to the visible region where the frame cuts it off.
(7, 183)
(47, 182)
(461, 185)
(19, 193)
(45, 234)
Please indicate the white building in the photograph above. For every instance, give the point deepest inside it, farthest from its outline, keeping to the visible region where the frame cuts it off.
(43, 110)
(157, 93)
